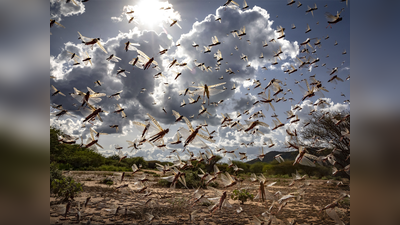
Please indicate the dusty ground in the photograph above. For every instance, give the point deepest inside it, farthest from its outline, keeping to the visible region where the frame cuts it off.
(171, 205)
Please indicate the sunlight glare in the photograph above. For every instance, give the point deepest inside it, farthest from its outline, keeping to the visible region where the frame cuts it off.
(150, 14)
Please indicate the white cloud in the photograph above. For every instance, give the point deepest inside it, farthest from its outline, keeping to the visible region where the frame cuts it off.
(117, 19)
(60, 9)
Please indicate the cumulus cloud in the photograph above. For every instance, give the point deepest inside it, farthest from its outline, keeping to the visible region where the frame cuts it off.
(258, 29)
(60, 9)
(82, 76)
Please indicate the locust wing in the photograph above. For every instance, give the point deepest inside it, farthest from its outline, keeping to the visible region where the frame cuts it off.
(235, 3)
(155, 122)
(332, 213)
(101, 46)
(196, 142)
(226, 179)
(95, 94)
(330, 17)
(216, 191)
(152, 130)
(83, 38)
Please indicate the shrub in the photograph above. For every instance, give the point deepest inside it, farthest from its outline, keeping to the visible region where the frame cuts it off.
(163, 183)
(286, 176)
(286, 168)
(55, 173)
(337, 178)
(135, 160)
(267, 168)
(222, 167)
(107, 181)
(213, 184)
(206, 203)
(156, 175)
(242, 195)
(192, 180)
(345, 202)
(90, 168)
(64, 166)
(152, 164)
(257, 167)
(65, 188)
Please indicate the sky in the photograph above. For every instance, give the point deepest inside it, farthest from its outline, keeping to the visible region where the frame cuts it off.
(151, 28)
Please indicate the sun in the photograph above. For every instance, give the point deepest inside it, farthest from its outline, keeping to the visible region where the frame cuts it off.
(149, 12)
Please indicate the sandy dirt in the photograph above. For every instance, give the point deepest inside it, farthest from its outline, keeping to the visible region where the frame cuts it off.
(171, 206)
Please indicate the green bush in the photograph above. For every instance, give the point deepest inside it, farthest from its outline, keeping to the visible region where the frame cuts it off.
(152, 164)
(257, 167)
(345, 202)
(107, 181)
(163, 183)
(206, 203)
(156, 175)
(192, 180)
(55, 173)
(135, 160)
(65, 188)
(213, 184)
(242, 195)
(286, 168)
(72, 157)
(222, 167)
(267, 168)
(64, 166)
(285, 176)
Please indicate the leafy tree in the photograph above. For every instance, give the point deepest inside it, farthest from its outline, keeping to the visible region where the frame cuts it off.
(113, 157)
(210, 166)
(322, 132)
(137, 161)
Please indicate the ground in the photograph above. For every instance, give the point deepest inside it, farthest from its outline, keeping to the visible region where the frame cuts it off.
(170, 206)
